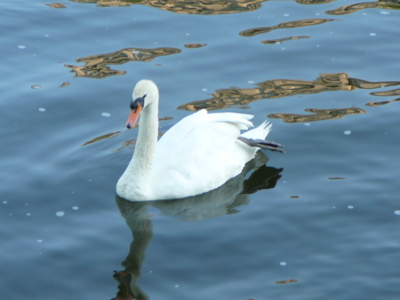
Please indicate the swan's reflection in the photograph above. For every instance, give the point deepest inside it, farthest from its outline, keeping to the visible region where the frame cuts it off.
(213, 204)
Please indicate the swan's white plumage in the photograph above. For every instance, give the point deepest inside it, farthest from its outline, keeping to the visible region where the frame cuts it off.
(198, 154)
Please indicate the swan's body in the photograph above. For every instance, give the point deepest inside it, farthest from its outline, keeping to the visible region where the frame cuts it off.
(197, 155)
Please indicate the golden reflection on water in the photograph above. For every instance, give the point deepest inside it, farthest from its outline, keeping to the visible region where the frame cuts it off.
(318, 115)
(278, 41)
(56, 5)
(312, 2)
(113, 3)
(114, 134)
(203, 7)
(349, 9)
(64, 84)
(285, 25)
(286, 281)
(387, 93)
(102, 137)
(194, 46)
(96, 66)
(278, 88)
(381, 103)
(270, 89)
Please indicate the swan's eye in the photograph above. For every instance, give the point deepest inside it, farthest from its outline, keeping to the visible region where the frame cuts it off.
(137, 102)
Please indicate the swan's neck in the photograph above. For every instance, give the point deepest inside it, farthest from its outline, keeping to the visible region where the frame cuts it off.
(134, 183)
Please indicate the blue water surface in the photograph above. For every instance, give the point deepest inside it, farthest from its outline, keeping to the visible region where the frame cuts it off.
(324, 226)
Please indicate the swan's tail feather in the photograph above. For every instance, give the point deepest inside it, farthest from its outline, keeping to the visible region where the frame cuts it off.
(260, 132)
(263, 144)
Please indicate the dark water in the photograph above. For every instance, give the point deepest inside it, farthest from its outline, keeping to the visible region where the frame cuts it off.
(325, 225)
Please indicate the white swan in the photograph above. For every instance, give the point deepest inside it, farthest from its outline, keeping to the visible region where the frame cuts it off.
(197, 155)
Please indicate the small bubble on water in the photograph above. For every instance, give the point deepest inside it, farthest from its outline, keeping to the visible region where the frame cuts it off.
(60, 213)
(286, 15)
(4, 202)
(350, 207)
(204, 89)
(384, 12)
(21, 47)
(105, 114)
(46, 35)
(347, 132)
(28, 214)
(42, 109)
(372, 34)
(306, 124)
(397, 212)
(176, 285)
(39, 241)
(250, 81)
(75, 207)
(283, 263)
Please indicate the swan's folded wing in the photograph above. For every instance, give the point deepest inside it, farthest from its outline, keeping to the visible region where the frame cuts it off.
(202, 156)
(180, 130)
(240, 120)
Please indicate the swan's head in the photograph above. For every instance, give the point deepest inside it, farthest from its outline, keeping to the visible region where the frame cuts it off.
(144, 93)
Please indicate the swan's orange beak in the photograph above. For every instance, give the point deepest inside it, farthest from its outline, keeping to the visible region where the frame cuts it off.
(134, 115)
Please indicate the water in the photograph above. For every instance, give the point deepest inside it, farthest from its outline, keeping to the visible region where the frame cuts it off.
(325, 226)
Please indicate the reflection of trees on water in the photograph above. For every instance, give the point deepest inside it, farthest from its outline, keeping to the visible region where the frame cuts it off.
(194, 46)
(279, 88)
(285, 25)
(114, 134)
(381, 103)
(312, 2)
(349, 9)
(279, 41)
(96, 66)
(387, 93)
(204, 7)
(56, 5)
(318, 115)
(217, 203)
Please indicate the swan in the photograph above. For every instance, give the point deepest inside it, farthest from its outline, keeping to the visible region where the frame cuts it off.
(198, 154)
